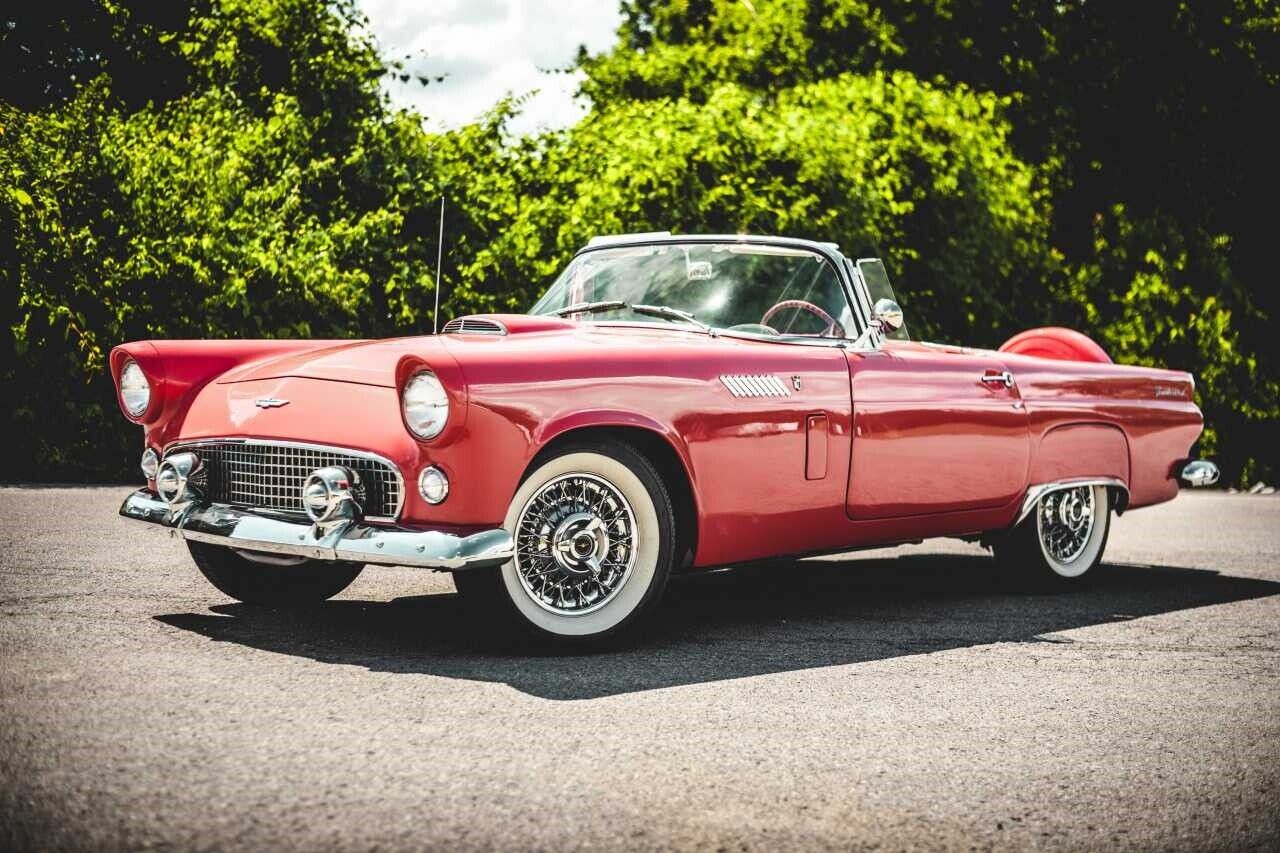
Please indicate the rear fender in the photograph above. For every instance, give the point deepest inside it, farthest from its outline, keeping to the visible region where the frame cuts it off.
(1081, 450)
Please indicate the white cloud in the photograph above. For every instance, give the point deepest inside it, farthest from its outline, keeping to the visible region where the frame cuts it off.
(487, 49)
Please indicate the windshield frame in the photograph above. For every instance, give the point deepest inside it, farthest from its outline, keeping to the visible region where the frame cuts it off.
(828, 252)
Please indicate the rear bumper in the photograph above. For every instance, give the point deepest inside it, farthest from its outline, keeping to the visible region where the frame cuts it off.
(344, 540)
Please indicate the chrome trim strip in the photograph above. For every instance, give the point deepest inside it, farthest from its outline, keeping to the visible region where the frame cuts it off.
(1035, 493)
(755, 385)
(304, 445)
(217, 524)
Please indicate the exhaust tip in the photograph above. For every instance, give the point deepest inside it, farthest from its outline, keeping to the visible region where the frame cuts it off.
(1199, 473)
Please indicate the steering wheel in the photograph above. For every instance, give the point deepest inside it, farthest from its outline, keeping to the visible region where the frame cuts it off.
(833, 325)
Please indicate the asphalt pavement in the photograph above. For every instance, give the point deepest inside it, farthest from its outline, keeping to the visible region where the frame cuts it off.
(893, 699)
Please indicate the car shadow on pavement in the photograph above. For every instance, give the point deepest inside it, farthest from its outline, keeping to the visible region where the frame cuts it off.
(731, 624)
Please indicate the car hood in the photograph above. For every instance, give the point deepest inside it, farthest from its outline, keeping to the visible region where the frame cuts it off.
(516, 338)
(362, 362)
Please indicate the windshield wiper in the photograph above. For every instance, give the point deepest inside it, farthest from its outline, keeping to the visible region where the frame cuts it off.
(663, 311)
(668, 313)
(591, 307)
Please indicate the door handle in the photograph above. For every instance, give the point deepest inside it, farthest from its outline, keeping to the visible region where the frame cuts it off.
(1004, 378)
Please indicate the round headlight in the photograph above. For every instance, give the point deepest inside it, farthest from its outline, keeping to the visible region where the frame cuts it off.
(135, 390)
(426, 405)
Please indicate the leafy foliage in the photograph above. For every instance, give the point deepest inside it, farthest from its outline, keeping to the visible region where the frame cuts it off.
(1143, 125)
(228, 168)
(879, 162)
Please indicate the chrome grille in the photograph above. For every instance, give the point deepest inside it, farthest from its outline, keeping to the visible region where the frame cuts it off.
(270, 475)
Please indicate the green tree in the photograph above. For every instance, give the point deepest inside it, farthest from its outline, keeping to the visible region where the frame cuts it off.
(881, 163)
(229, 168)
(269, 192)
(1145, 125)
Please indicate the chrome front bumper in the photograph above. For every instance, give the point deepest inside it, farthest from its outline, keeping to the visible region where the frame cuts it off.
(342, 540)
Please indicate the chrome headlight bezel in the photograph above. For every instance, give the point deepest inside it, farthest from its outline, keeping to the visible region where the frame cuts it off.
(424, 404)
(135, 389)
(433, 485)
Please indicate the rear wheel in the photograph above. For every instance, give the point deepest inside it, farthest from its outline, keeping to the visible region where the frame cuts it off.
(1060, 543)
(595, 541)
(271, 580)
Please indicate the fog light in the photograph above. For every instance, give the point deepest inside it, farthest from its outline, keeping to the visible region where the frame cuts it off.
(150, 463)
(433, 485)
(332, 493)
(173, 477)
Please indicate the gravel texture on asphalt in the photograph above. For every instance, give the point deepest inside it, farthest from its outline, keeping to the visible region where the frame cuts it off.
(892, 699)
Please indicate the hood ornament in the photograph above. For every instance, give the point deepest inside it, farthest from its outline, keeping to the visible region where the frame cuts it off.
(270, 403)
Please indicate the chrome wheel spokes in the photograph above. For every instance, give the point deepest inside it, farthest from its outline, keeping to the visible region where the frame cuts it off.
(575, 544)
(1065, 521)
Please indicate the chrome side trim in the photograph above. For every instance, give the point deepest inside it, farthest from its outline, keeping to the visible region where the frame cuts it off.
(1035, 493)
(1198, 473)
(217, 524)
(755, 385)
(304, 445)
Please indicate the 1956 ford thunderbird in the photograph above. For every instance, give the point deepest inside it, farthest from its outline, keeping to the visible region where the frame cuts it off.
(670, 404)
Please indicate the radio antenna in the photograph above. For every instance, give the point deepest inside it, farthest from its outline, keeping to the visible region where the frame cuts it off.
(435, 317)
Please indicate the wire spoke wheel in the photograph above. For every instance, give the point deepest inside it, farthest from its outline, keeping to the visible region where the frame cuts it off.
(575, 544)
(1065, 522)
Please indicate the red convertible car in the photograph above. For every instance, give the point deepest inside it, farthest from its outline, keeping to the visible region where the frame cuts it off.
(672, 403)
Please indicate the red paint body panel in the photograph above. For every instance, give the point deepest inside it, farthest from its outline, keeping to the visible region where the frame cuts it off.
(930, 436)
(1081, 450)
(916, 444)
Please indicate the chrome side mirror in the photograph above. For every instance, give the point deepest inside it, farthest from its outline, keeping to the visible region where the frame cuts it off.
(889, 314)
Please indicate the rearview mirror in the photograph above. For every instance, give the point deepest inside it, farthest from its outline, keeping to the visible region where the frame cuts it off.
(888, 314)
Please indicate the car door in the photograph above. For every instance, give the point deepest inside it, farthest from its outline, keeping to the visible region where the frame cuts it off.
(935, 430)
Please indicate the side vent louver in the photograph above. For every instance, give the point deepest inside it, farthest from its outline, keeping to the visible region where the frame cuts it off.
(755, 385)
(474, 326)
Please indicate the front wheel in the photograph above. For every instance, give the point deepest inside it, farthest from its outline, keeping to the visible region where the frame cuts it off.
(1061, 542)
(271, 580)
(595, 538)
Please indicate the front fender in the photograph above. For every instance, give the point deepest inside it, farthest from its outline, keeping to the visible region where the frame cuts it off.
(619, 419)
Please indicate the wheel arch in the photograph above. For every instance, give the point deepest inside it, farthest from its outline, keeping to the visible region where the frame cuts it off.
(1084, 449)
(1117, 492)
(657, 446)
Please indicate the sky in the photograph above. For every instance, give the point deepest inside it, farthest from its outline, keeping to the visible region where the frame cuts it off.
(488, 48)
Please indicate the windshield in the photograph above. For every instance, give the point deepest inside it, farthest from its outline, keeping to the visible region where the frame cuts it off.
(758, 289)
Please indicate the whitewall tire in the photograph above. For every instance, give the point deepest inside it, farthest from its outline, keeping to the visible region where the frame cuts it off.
(595, 538)
(1061, 542)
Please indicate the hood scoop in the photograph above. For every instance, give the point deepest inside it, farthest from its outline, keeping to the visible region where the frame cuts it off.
(504, 324)
(474, 326)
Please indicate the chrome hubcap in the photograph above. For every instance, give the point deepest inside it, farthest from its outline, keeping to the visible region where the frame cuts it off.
(575, 544)
(1066, 521)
